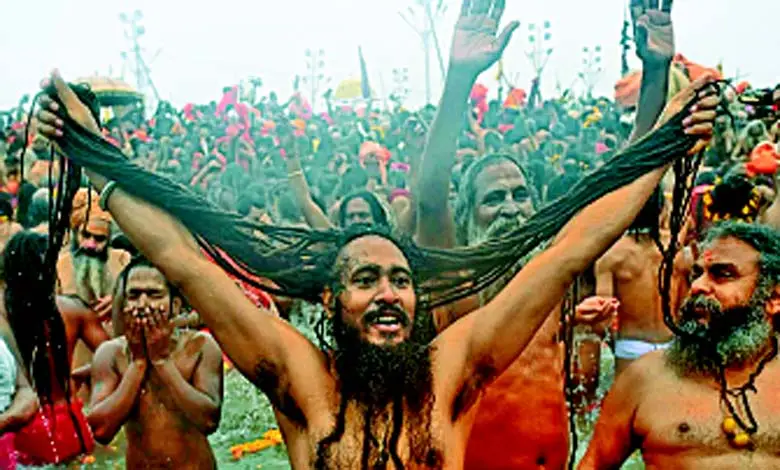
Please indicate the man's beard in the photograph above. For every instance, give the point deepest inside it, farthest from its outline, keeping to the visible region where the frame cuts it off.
(499, 227)
(89, 269)
(731, 338)
(377, 375)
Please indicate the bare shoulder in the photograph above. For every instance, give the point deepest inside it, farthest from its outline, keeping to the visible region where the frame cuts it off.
(72, 307)
(648, 369)
(110, 351)
(199, 342)
(120, 257)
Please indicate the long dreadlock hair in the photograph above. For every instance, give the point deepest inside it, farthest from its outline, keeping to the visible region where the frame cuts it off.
(287, 255)
(300, 261)
(31, 276)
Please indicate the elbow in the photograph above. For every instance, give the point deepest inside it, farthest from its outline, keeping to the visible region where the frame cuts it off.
(211, 423)
(29, 409)
(102, 430)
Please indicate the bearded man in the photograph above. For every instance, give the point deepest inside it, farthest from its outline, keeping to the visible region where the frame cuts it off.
(89, 268)
(710, 400)
(386, 395)
(495, 197)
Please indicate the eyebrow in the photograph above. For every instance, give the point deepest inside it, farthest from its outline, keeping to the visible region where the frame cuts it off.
(375, 268)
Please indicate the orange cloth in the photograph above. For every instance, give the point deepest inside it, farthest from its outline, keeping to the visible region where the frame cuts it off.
(515, 99)
(98, 220)
(763, 159)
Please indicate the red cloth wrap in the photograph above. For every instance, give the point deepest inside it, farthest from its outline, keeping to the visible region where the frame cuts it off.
(51, 437)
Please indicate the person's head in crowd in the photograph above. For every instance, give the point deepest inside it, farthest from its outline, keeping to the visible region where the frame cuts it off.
(6, 209)
(494, 142)
(647, 223)
(142, 288)
(495, 197)
(252, 204)
(735, 197)
(90, 235)
(753, 134)
(38, 212)
(13, 174)
(361, 208)
(732, 310)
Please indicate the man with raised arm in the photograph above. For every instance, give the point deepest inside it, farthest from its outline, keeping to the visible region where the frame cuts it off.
(382, 397)
(162, 383)
(527, 403)
(710, 400)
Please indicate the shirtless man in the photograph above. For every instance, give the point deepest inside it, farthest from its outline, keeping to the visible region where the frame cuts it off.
(27, 308)
(625, 274)
(163, 384)
(495, 198)
(668, 403)
(414, 399)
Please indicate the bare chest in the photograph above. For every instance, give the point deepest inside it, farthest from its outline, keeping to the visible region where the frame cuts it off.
(391, 438)
(687, 418)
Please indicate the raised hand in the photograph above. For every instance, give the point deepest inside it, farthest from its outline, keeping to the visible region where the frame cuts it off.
(475, 43)
(653, 30)
(49, 115)
(701, 118)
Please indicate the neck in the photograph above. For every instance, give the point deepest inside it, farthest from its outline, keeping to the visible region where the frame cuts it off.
(737, 374)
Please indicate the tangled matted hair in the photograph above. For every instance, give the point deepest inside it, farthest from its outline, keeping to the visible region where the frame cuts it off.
(293, 257)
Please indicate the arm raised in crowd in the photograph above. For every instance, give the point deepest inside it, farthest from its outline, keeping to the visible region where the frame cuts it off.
(313, 214)
(475, 47)
(261, 345)
(488, 340)
(654, 38)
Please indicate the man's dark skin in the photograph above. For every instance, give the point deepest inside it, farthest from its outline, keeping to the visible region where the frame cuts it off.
(375, 278)
(165, 387)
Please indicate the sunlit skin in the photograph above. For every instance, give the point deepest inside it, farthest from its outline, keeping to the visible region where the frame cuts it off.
(624, 274)
(357, 211)
(676, 420)
(378, 281)
(166, 388)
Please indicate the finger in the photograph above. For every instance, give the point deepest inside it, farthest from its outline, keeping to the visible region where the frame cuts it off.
(49, 131)
(498, 10)
(465, 10)
(637, 9)
(700, 145)
(64, 90)
(481, 7)
(667, 6)
(45, 102)
(506, 36)
(700, 117)
(704, 129)
(49, 118)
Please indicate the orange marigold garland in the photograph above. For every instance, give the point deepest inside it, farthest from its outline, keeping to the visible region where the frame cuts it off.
(271, 438)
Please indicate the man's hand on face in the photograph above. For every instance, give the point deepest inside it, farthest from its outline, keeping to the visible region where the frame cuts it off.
(134, 333)
(475, 44)
(653, 31)
(157, 333)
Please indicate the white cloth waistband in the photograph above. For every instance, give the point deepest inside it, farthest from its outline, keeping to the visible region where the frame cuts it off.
(635, 348)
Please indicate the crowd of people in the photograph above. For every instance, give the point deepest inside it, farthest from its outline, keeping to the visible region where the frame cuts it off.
(410, 289)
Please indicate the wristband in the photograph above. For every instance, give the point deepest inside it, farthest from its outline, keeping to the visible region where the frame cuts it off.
(108, 189)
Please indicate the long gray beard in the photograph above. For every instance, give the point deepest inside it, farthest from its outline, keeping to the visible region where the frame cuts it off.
(93, 281)
(500, 226)
(736, 337)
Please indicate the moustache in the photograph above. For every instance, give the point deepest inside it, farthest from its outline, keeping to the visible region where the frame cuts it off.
(503, 225)
(374, 316)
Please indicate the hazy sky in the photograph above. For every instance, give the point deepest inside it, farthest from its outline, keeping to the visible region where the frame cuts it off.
(206, 45)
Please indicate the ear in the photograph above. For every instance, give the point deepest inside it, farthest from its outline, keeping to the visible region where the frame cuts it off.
(328, 301)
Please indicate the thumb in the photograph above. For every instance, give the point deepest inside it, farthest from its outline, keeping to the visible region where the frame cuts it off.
(64, 91)
(506, 35)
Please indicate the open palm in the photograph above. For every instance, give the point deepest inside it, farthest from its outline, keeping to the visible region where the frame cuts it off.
(475, 43)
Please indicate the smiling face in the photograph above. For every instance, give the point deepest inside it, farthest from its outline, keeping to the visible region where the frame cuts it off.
(502, 202)
(377, 296)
